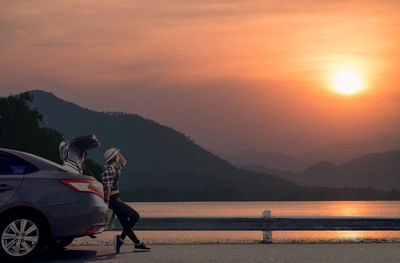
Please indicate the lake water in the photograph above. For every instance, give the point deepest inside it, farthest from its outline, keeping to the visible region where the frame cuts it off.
(334, 208)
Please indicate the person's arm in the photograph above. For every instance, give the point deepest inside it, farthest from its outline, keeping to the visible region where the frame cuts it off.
(107, 195)
(108, 181)
(122, 159)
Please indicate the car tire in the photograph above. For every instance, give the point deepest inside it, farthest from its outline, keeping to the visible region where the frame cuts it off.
(22, 236)
(60, 244)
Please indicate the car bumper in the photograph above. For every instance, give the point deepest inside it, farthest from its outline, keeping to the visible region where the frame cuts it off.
(82, 218)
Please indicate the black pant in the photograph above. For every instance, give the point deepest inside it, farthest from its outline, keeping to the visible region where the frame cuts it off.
(126, 215)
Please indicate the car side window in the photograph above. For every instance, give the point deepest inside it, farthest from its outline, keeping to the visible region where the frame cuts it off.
(13, 165)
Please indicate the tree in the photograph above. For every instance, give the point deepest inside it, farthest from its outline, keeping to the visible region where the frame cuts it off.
(93, 169)
(21, 128)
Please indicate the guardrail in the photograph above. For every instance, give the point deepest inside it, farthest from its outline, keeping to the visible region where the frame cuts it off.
(266, 223)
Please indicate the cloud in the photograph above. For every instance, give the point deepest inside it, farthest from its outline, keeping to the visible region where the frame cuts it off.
(229, 73)
(56, 43)
(10, 30)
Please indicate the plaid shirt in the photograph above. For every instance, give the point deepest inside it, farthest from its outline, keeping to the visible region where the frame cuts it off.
(110, 172)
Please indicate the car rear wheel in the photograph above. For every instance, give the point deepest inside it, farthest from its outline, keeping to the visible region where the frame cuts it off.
(22, 236)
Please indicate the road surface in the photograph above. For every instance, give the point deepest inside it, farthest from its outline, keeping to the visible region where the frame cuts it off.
(219, 253)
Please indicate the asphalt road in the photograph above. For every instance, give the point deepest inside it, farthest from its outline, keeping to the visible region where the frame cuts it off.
(380, 252)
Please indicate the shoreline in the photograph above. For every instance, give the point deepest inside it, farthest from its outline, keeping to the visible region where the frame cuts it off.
(106, 239)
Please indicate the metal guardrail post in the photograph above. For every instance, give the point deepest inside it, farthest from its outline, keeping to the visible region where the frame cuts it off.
(267, 235)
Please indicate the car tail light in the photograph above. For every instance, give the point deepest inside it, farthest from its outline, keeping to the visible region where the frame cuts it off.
(85, 186)
(96, 229)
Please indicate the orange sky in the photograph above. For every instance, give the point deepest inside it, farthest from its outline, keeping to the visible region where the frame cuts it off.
(234, 75)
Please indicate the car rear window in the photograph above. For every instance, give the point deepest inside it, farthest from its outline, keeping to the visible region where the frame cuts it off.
(13, 165)
(51, 163)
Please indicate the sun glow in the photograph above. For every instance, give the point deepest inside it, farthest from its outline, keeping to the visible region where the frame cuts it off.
(347, 81)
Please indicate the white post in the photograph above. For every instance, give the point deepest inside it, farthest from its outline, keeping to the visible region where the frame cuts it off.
(267, 235)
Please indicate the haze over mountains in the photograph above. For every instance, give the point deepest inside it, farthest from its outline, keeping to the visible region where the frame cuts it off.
(269, 160)
(336, 153)
(378, 170)
(372, 162)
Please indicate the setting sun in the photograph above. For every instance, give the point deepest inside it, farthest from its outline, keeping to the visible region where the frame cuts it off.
(347, 81)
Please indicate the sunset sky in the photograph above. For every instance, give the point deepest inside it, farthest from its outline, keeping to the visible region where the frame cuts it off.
(233, 75)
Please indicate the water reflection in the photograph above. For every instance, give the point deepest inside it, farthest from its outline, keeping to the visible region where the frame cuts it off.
(349, 235)
(341, 208)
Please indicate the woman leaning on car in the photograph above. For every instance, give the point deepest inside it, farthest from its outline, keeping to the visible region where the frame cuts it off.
(126, 214)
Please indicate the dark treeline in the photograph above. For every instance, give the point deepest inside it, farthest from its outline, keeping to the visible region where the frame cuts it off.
(163, 164)
(22, 128)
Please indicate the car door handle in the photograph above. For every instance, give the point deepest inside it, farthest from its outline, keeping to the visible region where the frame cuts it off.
(4, 187)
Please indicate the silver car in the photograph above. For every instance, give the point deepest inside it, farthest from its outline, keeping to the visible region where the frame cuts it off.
(46, 204)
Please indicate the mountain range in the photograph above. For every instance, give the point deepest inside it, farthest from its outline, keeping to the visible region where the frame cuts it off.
(336, 153)
(166, 165)
(378, 170)
(163, 164)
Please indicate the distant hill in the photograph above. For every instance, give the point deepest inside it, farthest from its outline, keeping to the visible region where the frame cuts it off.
(336, 153)
(378, 170)
(287, 175)
(269, 160)
(346, 151)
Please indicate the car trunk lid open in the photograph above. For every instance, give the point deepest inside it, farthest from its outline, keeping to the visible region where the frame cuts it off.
(73, 152)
